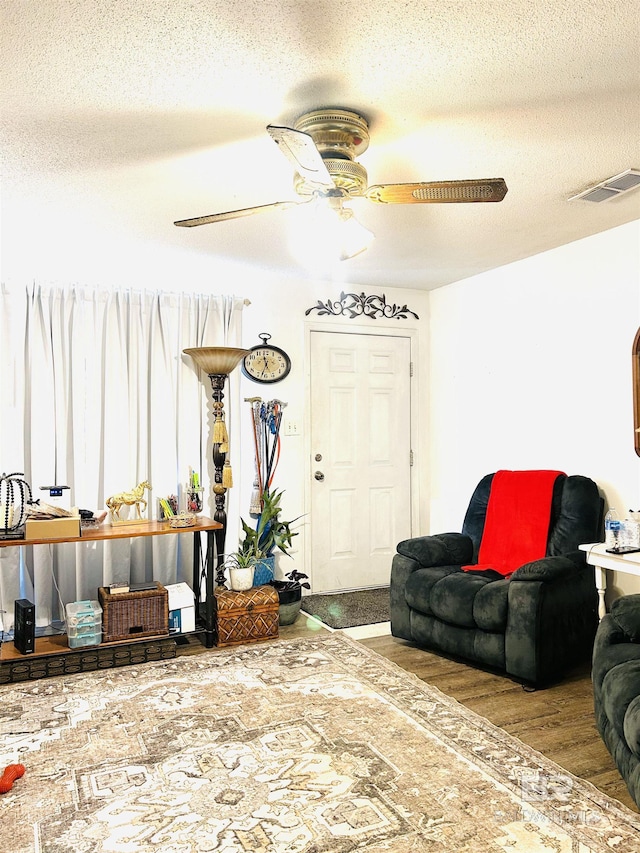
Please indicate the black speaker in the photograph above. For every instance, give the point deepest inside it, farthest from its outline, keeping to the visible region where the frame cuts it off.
(24, 626)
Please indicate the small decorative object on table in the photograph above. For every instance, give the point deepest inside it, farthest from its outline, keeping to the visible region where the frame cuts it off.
(167, 507)
(184, 519)
(90, 520)
(133, 498)
(194, 493)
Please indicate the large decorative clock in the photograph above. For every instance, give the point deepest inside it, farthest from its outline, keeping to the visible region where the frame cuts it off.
(265, 362)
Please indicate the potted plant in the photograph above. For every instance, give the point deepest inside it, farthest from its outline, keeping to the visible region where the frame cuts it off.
(271, 532)
(290, 596)
(241, 567)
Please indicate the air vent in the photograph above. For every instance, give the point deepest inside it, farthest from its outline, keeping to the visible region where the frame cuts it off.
(611, 188)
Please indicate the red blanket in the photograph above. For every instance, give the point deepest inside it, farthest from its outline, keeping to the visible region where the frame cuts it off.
(516, 526)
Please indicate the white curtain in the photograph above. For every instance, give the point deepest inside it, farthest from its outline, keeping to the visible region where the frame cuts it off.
(96, 394)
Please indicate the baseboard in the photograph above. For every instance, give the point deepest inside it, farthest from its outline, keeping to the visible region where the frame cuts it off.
(363, 632)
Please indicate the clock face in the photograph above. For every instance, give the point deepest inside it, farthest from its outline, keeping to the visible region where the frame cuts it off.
(266, 364)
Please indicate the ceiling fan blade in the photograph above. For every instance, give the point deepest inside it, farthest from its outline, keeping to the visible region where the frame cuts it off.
(300, 150)
(439, 192)
(236, 214)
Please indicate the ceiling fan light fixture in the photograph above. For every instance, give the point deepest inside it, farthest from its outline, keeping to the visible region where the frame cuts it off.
(352, 237)
(326, 232)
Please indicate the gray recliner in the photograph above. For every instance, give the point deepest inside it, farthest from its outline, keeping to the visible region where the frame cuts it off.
(532, 626)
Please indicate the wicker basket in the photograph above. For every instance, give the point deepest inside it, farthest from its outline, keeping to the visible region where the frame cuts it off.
(127, 615)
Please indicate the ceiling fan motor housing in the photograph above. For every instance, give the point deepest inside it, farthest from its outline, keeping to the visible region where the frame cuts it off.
(340, 136)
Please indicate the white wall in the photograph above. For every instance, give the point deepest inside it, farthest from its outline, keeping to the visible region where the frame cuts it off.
(531, 367)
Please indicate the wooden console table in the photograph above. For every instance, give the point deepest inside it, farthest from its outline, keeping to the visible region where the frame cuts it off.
(598, 557)
(153, 528)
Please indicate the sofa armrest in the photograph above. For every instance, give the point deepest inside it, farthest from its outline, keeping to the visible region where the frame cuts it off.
(552, 618)
(547, 569)
(441, 549)
(625, 613)
(610, 648)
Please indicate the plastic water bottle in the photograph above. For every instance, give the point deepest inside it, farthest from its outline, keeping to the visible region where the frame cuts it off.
(612, 530)
(630, 533)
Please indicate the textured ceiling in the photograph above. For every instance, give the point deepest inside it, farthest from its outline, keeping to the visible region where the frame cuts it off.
(131, 114)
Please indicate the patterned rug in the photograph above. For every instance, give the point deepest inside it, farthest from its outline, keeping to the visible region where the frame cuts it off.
(349, 609)
(314, 745)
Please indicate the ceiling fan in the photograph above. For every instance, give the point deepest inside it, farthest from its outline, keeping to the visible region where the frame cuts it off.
(323, 145)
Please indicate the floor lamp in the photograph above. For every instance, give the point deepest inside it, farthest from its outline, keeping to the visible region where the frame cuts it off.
(218, 363)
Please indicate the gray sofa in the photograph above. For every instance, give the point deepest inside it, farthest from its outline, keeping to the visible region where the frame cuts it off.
(616, 687)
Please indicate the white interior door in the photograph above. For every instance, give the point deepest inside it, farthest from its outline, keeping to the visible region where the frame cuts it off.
(360, 457)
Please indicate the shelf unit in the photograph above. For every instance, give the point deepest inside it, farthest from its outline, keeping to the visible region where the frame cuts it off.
(52, 654)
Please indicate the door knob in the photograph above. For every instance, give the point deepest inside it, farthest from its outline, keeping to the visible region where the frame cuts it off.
(319, 476)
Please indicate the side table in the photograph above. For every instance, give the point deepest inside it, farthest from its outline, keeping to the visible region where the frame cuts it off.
(598, 557)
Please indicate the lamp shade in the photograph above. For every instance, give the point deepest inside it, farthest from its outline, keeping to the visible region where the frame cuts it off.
(217, 360)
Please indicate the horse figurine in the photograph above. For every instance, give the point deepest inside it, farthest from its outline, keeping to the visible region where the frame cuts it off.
(132, 498)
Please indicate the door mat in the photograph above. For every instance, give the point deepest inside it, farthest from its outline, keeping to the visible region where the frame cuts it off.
(349, 609)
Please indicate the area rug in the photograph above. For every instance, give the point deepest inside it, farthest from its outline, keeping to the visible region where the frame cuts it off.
(349, 609)
(312, 745)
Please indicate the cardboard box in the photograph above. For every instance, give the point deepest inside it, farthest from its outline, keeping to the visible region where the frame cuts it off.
(182, 612)
(52, 528)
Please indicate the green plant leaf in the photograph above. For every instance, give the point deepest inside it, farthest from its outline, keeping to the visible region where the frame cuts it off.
(270, 532)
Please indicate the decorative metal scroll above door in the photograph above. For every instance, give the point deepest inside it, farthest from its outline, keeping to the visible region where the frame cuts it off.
(353, 305)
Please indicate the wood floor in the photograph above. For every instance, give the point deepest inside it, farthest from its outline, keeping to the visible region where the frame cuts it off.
(557, 721)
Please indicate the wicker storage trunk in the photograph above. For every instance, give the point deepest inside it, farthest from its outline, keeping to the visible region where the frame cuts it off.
(245, 617)
(127, 615)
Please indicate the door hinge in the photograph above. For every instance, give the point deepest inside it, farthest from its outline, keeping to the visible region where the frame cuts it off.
(411, 459)
(410, 368)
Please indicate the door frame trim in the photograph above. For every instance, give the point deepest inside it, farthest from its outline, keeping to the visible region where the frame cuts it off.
(416, 474)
